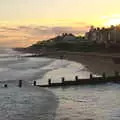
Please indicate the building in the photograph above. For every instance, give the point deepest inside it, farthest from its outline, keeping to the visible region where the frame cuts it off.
(104, 35)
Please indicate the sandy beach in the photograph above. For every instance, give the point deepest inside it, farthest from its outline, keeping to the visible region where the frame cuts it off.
(97, 63)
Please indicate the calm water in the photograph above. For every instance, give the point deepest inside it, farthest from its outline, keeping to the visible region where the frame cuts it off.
(100, 102)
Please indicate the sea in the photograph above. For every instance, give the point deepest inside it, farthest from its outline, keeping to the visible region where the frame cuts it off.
(88, 102)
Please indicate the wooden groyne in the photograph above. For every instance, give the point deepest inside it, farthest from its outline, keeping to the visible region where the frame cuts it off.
(91, 80)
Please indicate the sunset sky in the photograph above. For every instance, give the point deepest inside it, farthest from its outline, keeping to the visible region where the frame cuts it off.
(23, 22)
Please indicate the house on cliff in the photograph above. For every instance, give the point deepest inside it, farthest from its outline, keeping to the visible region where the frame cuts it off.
(104, 35)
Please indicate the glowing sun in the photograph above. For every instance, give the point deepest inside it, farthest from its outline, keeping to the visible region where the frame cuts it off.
(113, 21)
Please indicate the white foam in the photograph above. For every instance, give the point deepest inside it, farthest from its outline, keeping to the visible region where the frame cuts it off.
(64, 68)
(56, 64)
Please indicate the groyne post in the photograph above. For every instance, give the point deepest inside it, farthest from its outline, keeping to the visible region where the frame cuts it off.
(34, 83)
(20, 83)
(116, 74)
(76, 78)
(117, 77)
(49, 81)
(5, 85)
(104, 75)
(63, 80)
(91, 76)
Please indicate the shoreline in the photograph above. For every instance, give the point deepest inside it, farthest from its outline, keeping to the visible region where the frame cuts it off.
(94, 62)
(97, 63)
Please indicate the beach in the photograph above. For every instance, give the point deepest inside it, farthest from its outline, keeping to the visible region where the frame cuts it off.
(97, 63)
(87, 102)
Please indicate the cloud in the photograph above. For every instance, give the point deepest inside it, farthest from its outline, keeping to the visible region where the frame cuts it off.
(27, 35)
(74, 30)
(3, 36)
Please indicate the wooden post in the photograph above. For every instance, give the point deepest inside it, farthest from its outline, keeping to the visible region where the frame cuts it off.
(104, 75)
(63, 79)
(34, 83)
(5, 85)
(76, 78)
(91, 76)
(116, 74)
(20, 83)
(49, 81)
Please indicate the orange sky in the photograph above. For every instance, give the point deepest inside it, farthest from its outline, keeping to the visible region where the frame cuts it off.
(23, 22)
